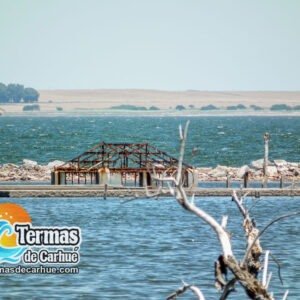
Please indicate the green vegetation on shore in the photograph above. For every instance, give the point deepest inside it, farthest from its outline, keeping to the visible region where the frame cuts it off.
(281, 107)
(16, 93)
(180, 107)
(129, 107)
(33, 107)
(133, 107)
(208, 107)
(256, 107)
(236, 107)
(153, 108)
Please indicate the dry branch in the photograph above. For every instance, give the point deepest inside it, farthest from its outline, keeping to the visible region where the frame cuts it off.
(249, 249)
(244, 273)
(252, 262)
(183, 289)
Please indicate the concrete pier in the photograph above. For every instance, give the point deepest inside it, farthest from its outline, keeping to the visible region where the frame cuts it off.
(62, 191)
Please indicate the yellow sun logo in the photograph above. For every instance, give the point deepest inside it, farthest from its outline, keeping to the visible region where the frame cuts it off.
(12, 213)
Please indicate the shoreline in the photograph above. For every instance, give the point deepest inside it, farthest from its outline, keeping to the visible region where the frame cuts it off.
(97, 102)
(144, 114)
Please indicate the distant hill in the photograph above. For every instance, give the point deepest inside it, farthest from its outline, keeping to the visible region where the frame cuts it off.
(105, 98)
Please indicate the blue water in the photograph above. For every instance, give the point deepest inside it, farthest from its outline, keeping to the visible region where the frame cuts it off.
(230, 141)
(144, 248)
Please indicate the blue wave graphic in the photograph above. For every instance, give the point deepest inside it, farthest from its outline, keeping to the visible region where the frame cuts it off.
(9, 254)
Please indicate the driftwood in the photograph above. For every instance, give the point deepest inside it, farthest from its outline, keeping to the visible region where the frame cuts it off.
(244, 272)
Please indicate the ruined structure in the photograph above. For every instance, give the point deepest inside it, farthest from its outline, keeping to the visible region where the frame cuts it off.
(124, 164)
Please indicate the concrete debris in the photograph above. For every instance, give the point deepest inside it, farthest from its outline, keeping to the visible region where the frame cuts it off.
(275, 170)
(272, 171)
(219, 171)
(28, 171)
(32, 171)
(280, 163)
(55, 163)
(259, 164)
(242, 171)
(27, 163)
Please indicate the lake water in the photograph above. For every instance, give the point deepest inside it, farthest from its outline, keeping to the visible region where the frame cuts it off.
(144, 248)
(231, 141)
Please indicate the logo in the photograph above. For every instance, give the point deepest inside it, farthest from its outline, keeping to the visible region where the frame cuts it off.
(22, 242)
(11, 214)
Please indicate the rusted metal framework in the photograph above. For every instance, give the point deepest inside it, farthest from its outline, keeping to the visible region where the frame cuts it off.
(118, 163)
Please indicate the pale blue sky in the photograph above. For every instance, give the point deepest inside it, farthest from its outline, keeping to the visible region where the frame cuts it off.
(154, 44)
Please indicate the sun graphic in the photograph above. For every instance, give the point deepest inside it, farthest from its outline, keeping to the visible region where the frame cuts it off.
(13, 213)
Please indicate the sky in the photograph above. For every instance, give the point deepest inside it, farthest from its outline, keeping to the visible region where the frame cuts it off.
(212, 45)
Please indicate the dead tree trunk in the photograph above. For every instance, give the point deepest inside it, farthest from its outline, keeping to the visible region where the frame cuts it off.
(251, 262)
(244, 272)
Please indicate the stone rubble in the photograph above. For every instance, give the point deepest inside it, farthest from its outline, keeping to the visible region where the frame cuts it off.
(276, 170)
(32, 171)
(28, 171)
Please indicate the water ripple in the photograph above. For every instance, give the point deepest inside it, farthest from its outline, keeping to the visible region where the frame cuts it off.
(143, 249)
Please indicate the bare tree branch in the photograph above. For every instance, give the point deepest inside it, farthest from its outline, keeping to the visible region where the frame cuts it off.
(229, 288)
(252, 286)
(182, 199)
(265, 270)
(183, 289)
(220, 273)
(263, 231)
(246, 272)
(239, 204)
(253, 262)
(269, 280)
(285, 295)
(224, 221)
(221, 233)
(279, 267)
(197, 292)
(183, 136)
